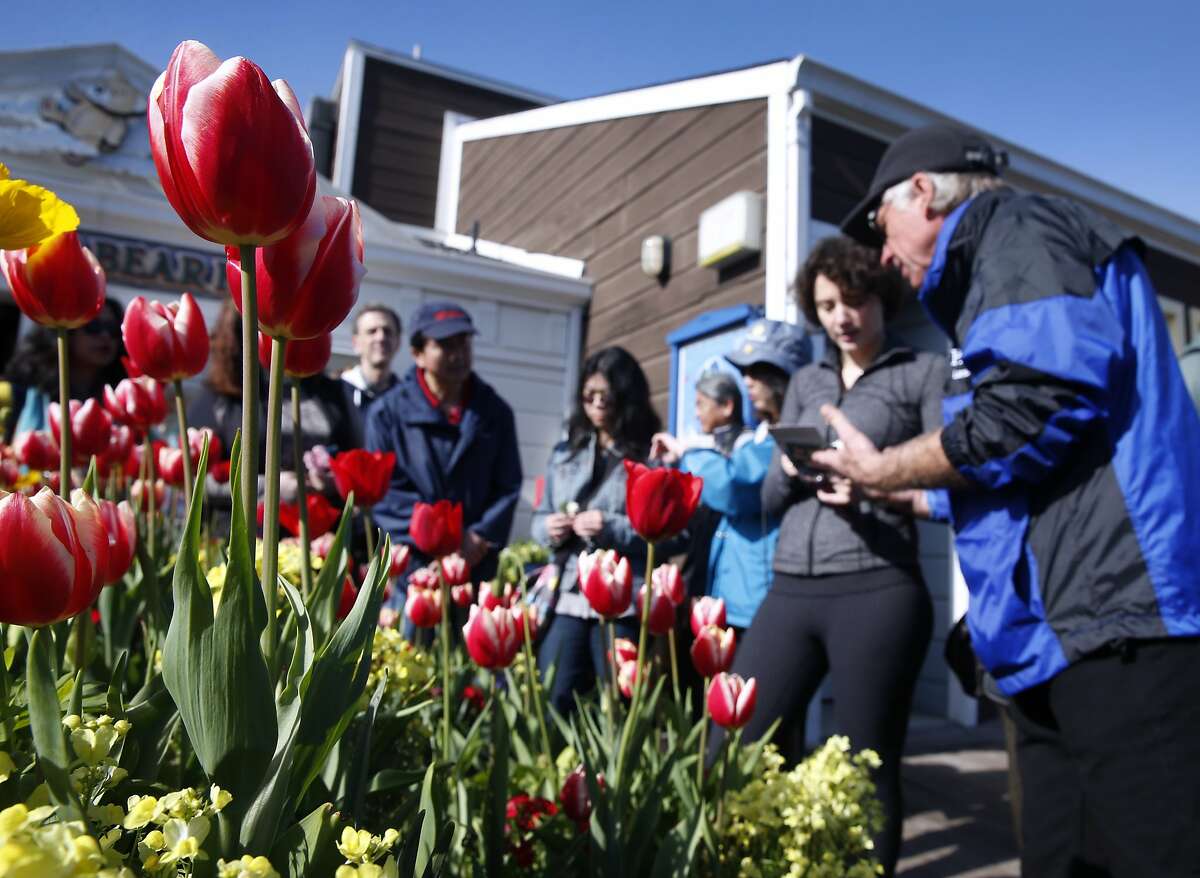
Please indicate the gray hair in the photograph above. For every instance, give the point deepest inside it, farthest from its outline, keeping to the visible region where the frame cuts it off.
(721, 388)
(950, 189)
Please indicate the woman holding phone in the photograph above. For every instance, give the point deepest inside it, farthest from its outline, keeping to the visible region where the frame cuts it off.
(847, 598)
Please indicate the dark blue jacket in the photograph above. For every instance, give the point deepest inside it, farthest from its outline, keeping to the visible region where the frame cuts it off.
(1066, 407)
(484, 471)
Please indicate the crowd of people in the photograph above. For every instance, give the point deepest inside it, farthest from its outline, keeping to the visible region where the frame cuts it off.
(1058, 441)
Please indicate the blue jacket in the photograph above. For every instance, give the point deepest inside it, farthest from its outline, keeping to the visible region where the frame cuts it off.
(484, 467)
(743, 546)
(1066, 408)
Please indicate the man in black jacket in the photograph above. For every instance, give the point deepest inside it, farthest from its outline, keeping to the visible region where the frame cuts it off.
(1069, 448)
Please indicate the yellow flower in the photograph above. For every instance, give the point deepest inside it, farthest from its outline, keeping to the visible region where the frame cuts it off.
(141, 811)
(219, 797)
(30, 214)
(355, 844)
(183, 840)
(246, 867)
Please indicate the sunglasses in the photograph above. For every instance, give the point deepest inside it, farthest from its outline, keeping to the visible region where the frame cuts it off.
(596, 397)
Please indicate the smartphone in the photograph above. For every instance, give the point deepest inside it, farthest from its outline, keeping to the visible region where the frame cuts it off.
(798, 443)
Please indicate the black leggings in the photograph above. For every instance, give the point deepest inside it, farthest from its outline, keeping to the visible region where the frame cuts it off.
(869, 631)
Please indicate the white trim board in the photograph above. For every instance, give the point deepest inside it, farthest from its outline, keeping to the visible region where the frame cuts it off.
(349, 110)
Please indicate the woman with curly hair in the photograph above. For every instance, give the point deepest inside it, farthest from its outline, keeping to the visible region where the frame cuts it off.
(848, 599)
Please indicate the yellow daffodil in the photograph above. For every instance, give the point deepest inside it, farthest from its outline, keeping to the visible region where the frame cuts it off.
(246, 867)
(30, 214)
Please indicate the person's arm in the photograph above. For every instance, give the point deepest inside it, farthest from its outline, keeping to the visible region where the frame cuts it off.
(732, 485)
(495, 523)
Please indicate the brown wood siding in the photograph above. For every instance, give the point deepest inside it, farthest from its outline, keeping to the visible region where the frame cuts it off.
(400, 136)
(844, 160)
(595, 191)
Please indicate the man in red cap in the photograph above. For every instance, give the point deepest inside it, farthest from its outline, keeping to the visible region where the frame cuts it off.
(1069, 448)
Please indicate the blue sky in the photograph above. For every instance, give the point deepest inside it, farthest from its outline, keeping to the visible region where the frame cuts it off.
(1110, 89)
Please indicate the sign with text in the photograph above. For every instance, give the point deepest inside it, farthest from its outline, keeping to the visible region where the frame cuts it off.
(157, 266)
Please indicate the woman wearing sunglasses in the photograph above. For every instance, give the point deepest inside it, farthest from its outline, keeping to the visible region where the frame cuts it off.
(94, 351)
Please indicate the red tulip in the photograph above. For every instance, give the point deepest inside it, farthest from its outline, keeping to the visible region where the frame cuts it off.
(138, 489)
(626, 677)
(473, 697)
(489, 599)
(399, 560)
(347, 599)
(122, 538)
(424, 577)
(626, 651)
(170, 466)
(660, 502)
(138, 402)
(308, 282)
(707, 611)
(662, 610)
(53, 559)
(455, 570)
(462, 595)
(670, 580)
(493, 637)
(322, 516)
(436, 528)
(731, 700)
(220, 472)
(58, 283)
(366, 473)
(302, 357)
(196, 444)
(37, 449)
(712, 650)
(606, 580)
(91, 428)
(120, 445)
(423, 606)
(576, 798)
(167, 342)
(231, 148)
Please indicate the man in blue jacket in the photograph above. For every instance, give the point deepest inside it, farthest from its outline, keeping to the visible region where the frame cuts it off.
(454, 439)
(1071, 450)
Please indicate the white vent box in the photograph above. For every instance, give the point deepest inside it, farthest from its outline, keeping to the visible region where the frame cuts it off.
(731, 230)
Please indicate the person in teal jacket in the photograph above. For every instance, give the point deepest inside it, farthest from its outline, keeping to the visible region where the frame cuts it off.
(743, 546)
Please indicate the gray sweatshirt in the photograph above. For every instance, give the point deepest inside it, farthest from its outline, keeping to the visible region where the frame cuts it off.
(897, 397)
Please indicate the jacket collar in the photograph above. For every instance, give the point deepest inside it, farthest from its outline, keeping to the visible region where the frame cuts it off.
(893, 348)
(949, 274)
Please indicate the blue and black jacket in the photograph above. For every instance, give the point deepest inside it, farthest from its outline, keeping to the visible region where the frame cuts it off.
(1066, 407)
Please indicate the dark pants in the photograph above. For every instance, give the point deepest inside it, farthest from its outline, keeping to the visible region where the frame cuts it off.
(1109, 755)
(577, 649)
(869, 631)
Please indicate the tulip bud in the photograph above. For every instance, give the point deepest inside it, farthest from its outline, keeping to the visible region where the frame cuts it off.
(37, 449)
(347, 598)
(322, 516)
(606, 580)
(57, 283)
(423, 606)
(301, 357)
(365, 473)
(91, 428)
(731, 700)
(491, 595)
(712, 650)
(170, 466)
(137, 492)
(626, 677)
(670, 580)
(493, 637)
(455, 570)
(167, 342)
(662, 610)
(660, 501)
(707, 611)
(576, 798)
(462, 595)
(119, 524)
(436, 528)
(138, 402)
(399, 560)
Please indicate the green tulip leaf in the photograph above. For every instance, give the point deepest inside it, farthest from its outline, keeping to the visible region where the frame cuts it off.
(327, 590)
(497, 793)
(214, 667)
(309, 849)
(45, 718)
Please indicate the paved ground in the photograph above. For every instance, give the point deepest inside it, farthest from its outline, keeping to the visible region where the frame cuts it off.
(956, 797)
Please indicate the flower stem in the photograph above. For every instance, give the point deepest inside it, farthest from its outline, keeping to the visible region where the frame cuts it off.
(613, 684)
(270, 566)
(184, 445)
(531, 673)
(369, 527)
(674, 662)
(249, 450)
(703, 735)
(639, 680)
(5, 685)
(301, 493)
(64, 417)
(445, 638)
(148, 487)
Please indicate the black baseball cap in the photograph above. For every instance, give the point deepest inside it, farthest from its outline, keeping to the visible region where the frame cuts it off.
(441, 320)
(934, 148)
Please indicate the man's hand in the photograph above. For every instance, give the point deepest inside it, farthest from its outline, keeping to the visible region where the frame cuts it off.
(838, 492)
(665, 447)
(474, 547)
(558, 527)
(857, 460)
(588, 524)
